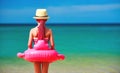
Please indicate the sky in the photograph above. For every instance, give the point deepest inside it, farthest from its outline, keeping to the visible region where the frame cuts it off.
(61, 11)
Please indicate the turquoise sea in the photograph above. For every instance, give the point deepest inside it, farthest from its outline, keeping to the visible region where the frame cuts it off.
(69, 39)
(79, 43)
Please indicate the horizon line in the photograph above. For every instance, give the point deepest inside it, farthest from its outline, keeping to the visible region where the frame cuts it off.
(61, 24)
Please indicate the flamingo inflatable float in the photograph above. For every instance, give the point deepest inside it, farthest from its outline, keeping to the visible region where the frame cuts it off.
(41, 53)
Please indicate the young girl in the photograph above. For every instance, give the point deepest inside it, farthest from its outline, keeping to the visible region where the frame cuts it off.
(41, 32)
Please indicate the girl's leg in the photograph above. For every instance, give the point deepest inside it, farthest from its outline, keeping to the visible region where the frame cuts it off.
(37, 66)
(45, 66)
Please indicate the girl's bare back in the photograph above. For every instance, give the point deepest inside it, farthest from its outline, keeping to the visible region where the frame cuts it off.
(34, 34)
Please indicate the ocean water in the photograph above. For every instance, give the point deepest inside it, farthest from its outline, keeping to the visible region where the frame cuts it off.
(69, 39)
(87, 48)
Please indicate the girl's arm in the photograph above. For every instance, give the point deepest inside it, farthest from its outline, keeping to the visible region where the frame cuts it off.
(52, 40)
(30, 40)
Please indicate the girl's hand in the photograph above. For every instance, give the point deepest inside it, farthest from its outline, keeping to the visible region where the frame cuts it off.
(52, 48)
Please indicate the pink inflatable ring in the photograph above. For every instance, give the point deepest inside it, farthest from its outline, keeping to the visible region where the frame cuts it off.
(33, 55)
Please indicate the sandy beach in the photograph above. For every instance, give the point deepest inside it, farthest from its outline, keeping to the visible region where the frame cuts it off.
(72, 64)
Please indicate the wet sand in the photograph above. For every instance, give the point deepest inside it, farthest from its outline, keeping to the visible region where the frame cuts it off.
(70, 65)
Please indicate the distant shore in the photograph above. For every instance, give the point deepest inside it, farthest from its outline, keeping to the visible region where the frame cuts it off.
(61, 24)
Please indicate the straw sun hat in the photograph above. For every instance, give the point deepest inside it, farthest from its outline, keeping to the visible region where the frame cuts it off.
(41, 14)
